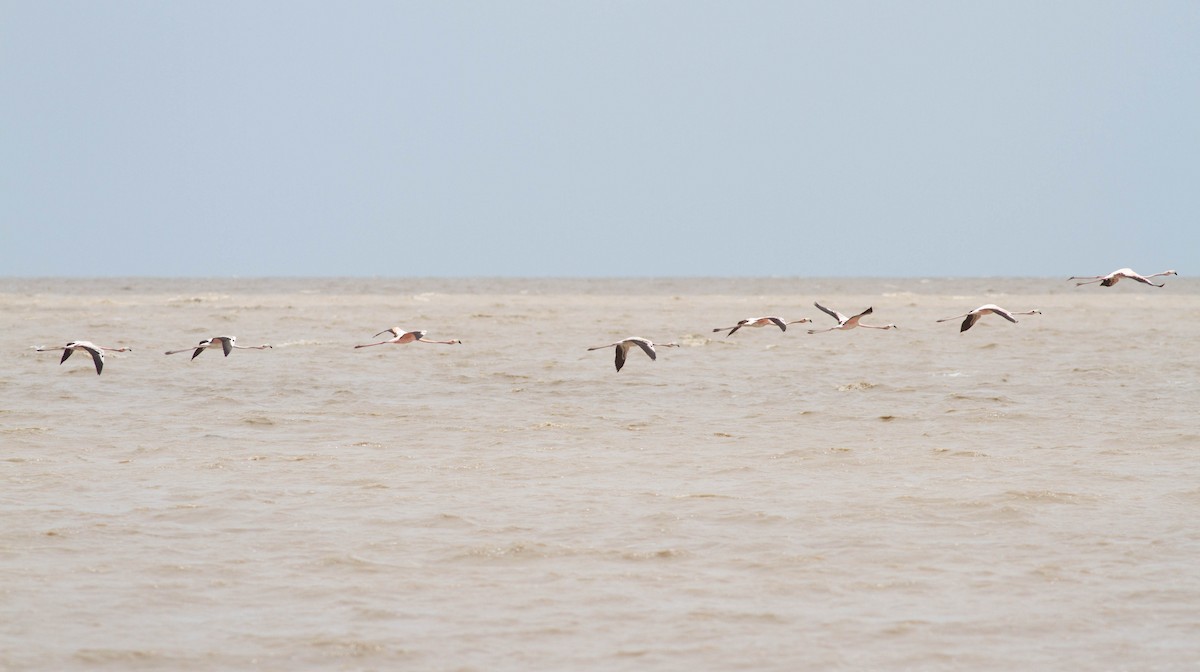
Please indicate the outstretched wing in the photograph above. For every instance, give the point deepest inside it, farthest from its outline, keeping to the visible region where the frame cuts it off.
(779, 323)
(227, 345)
(832, 313)
(66, 353)
(969, 322)
(647, 348)
(98, 358)
(620, 356)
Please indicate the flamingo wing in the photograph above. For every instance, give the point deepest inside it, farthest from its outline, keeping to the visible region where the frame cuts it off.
(854, 319)
(98, 359)
(647, 347)
(832, 313)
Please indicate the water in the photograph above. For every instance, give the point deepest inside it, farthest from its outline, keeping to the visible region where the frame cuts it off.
(1014, 497)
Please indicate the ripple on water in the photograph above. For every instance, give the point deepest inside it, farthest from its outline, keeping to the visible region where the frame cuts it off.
(1048, 496)
(121, 657)
(24, 430)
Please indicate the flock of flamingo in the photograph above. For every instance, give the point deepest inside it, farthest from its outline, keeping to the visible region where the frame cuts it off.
(400, 336)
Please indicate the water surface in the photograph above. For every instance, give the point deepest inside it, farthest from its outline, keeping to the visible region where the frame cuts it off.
(1018, 496)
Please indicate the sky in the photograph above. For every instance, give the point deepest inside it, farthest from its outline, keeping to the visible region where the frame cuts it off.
(612, 138)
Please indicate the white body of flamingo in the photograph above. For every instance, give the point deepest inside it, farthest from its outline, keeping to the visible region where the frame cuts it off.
(226, 343)
(761, 322)
(96, 351)
(623, 347)
(402, 336)
(987, 309)
(1115, 277)
(848, 322)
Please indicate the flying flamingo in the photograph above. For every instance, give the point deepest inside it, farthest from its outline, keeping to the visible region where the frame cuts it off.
(623, 347)
(96, 351)
(848, 322)
(761, 322)
(1115, 277)
(225, 343)
(402, 336)
(987, 309)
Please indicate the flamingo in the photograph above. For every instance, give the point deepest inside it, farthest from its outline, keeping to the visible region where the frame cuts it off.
(402, 336)
(987, 309)
(225, 343)
(1115, 277)
(96, 351)
(623, 347)
(761, 322)
(848, 322)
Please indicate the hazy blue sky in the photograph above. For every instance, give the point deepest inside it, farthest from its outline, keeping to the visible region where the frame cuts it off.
(607, 138)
